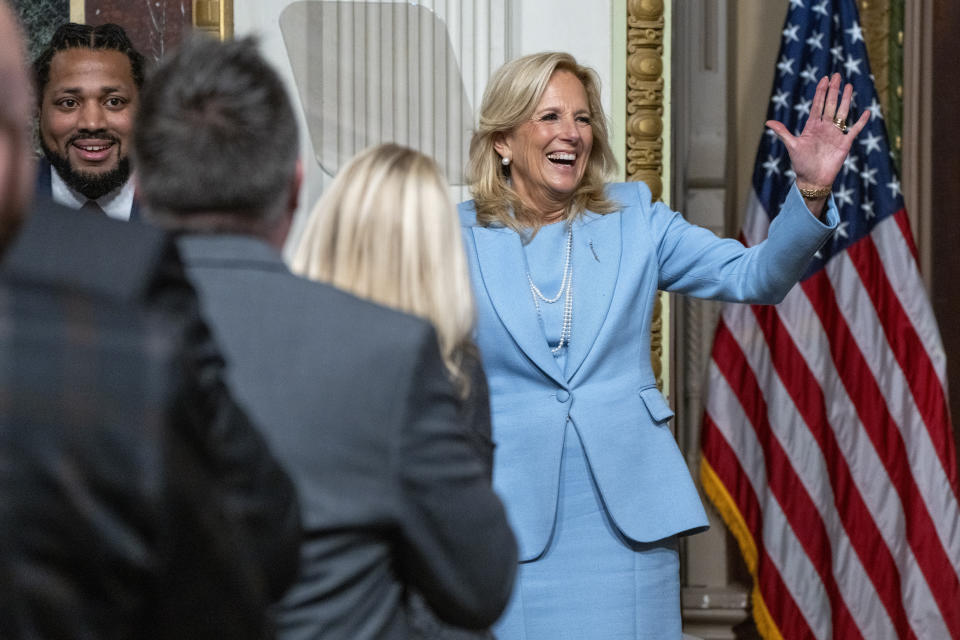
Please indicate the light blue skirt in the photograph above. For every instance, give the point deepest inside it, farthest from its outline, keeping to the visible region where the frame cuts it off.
(592, 582)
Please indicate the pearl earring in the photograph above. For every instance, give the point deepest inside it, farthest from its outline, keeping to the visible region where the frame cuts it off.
(505, 161)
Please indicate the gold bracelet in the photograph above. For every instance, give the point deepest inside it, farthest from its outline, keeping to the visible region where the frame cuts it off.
(814, 194)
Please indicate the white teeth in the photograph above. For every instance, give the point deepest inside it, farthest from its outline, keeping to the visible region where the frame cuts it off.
(100, 148)
(562, 156)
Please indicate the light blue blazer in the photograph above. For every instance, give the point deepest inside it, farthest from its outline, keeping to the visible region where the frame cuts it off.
(608, 390)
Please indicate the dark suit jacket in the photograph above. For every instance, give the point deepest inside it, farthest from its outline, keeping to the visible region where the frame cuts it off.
(44, 188)
(136, 501)
(355, 400)
(474, 416)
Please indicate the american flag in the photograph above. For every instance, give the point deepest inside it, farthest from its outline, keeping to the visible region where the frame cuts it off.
(827, 443)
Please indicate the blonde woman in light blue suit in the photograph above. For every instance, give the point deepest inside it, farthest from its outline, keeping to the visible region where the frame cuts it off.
(565, 270)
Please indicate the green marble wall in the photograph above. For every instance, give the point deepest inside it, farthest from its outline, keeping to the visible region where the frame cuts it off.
(40, 19)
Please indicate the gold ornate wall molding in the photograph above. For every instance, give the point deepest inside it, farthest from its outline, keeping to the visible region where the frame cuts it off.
(78, 11)
(644, 127)
(645, 32)
(214, 17)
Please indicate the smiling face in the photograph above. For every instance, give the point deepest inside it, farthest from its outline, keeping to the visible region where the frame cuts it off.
(549, 153)
(86, 118)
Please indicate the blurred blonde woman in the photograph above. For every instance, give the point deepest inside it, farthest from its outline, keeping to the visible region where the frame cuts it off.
(386, 230)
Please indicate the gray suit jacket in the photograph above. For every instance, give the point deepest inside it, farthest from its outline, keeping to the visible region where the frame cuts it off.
(354, 399)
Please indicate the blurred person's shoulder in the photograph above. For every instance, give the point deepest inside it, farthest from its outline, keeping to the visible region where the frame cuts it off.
(88, 254)
(374, 320)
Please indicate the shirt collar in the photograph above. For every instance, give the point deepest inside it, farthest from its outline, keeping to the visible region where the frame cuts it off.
(116, 204)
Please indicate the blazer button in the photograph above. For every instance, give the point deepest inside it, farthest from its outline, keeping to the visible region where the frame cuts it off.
(562, 395)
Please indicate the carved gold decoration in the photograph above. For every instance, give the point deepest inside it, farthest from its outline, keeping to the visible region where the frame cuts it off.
(78, 13)
(644, 131)
(214, 17)
(644, 126)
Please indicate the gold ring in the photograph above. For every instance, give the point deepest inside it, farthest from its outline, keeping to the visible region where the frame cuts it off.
(840, 123)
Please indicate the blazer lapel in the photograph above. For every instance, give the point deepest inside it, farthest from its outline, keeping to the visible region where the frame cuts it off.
(503, 269)
(44, 187)
(135, 211)
(597, 247)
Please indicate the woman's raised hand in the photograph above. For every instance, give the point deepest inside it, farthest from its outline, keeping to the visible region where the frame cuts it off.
(817, 154)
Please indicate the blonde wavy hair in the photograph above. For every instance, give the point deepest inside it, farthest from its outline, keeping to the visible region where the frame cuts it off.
(386, 230)
(509, 100)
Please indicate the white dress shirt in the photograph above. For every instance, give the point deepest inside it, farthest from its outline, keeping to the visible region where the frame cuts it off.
(116, 204)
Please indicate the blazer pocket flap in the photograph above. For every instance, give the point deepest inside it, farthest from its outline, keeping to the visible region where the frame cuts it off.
(657, 406)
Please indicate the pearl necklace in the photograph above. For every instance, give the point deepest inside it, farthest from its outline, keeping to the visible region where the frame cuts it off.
(566, 290)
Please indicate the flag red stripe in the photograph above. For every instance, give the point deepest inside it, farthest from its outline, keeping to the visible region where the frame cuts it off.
(869, 403)
(918, 369)
(862, 530)
(783, 608)
(798, 507)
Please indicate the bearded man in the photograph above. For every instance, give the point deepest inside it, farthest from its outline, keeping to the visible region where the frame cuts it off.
(88, 83)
